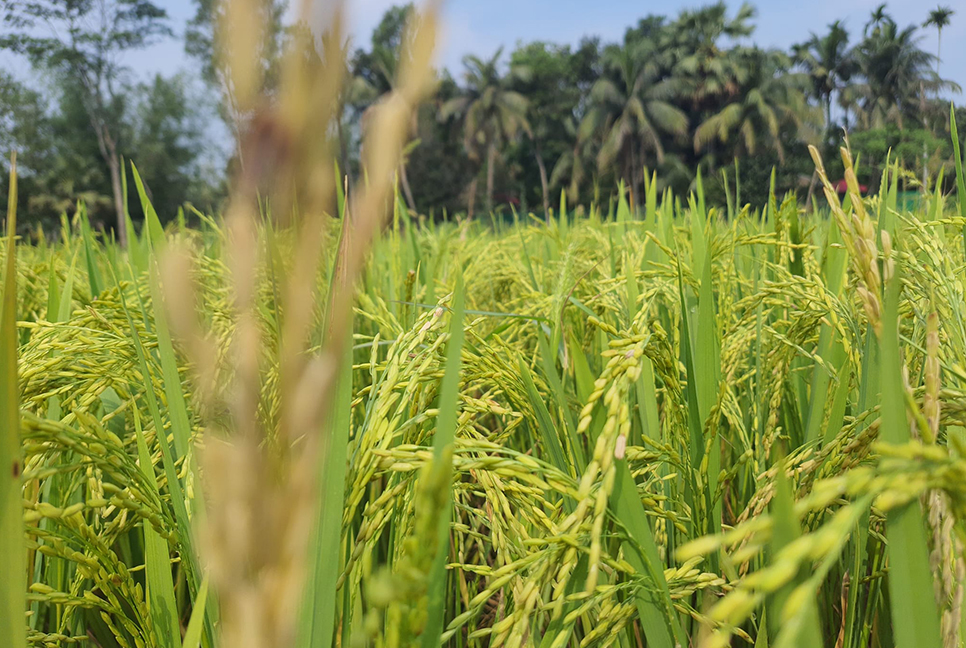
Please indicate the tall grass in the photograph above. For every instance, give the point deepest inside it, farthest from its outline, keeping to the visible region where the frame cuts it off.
(11, 461)
(684, 426)
(585, 509)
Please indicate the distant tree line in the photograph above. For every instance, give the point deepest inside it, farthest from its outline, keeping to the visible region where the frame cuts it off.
(674, 96)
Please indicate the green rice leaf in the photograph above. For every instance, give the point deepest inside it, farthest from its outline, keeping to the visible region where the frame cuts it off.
(583, 376)
(174, 389)
(707, 378)
(93, 274)
(442, 442)
(13, 559)
(548, 433)
(560, 396)
(152, 225)
(654, 605)
(786, 530)
(317, 622)
(192, 635)
(958, 157)
(188, 556)
(157, 561)
(915, 620)
(623, 209)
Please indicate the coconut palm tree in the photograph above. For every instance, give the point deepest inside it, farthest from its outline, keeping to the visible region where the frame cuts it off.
(939, 18)
(631, 110)
(829, 63)
(896, 73)
(371, 92)
(771, 99)
(374, 79)
(878, 18)
(492, 114)
(574, 164)
(706, 70)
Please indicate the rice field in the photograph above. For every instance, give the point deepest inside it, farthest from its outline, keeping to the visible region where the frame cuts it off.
(320, 420)
(679, 425)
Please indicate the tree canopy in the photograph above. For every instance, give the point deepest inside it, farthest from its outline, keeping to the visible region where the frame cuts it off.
(675, 94)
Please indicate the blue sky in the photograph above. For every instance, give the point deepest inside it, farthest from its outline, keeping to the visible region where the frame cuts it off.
(480, 26)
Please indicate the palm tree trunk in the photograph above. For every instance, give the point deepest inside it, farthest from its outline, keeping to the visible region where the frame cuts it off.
(811, 191)
(628, 173)
(490, 164)
(108, 149)
(925, 125)
(472, 198)
(828, 115)
(403, 175)
(343, 148)
(939, 48)
(638, 175)
(407, 191)
(115, 166)
(543, 183)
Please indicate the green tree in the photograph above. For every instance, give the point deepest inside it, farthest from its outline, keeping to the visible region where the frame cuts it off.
(707, 71)
(631, 109)
(82, 41)
(877, 19)
(939, 18)
(27, 128)
(438, 168)
(556, 81)
(377, 66)
(829, 63)
(576, 163)
(896, 73)
(202, 35)
(59, 160)
(434, 168)
(373, 76)
(772, 98)
(78, 172)
(167, 145)
(490, 112)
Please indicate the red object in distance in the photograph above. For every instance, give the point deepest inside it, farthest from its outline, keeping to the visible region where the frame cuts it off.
(841, 187)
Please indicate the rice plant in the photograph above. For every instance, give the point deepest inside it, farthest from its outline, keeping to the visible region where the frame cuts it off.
(672, 426)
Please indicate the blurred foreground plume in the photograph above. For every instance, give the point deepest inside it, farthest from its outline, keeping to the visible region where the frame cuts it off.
(261, 486)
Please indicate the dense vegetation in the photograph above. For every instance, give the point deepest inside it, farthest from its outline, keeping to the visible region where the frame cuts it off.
(630, 382)
(677, 94)
(319, 418)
